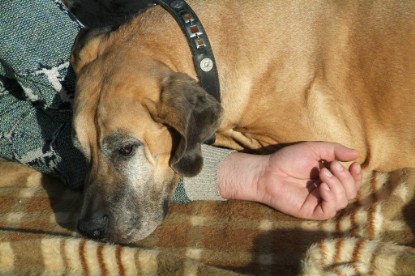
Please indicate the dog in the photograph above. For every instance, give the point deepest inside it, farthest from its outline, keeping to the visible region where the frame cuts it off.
(289, 71)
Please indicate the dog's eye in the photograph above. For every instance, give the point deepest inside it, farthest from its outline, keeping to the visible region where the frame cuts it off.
(126, 150)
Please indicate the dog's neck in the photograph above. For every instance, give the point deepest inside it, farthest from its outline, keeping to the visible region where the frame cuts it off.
(203, 58)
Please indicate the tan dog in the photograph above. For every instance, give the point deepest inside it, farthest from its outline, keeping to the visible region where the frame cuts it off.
(289, 71)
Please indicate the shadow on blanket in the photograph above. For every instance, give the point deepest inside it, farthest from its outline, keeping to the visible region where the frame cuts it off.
(65, 203)
(38, 217)
(409, 217)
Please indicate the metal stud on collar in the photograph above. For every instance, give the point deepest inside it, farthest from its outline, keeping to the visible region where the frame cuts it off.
(206, 64)
(177, 4)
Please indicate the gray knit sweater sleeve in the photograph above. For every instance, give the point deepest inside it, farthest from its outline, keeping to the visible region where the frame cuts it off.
(204, 186)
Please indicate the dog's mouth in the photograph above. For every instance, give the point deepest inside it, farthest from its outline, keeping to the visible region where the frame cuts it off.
(125, 222)
(121, 230)
(130, 235)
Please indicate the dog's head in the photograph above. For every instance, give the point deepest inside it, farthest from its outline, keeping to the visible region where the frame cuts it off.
(140, 126)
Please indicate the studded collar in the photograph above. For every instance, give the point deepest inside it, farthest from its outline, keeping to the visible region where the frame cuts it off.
(203, 58)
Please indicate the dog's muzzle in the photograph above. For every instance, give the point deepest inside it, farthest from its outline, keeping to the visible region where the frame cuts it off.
(94, 226)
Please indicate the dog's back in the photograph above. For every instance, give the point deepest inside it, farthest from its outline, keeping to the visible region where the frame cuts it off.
(328, 70)
(297, 70)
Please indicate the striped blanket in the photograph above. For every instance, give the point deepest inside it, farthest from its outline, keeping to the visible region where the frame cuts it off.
(373, 236)
(38, 215)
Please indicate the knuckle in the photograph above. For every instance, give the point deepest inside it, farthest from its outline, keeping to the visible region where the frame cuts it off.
(343, 204)
(331, 214)
(352, 194)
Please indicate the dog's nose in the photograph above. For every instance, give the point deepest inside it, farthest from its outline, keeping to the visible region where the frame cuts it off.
(94, 227)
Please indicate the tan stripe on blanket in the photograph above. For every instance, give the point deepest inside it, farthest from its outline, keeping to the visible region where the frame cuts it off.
(7, 258)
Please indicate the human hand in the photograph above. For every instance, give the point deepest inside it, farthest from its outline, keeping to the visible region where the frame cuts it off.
(295, 181)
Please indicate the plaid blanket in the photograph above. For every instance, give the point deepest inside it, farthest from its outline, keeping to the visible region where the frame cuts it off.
(38, 215)
(373, 236)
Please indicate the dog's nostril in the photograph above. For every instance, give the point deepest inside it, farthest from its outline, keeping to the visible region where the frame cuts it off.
(95, 227)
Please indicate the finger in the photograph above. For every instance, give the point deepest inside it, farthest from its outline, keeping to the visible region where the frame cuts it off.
(328, 207)
(345, 178)
(333, 151)
(335, 187)
(356, 171)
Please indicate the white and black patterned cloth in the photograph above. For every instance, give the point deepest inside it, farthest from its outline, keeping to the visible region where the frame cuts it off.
(36, 87)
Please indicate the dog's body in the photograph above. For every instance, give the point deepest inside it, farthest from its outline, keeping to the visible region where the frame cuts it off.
(289, 71)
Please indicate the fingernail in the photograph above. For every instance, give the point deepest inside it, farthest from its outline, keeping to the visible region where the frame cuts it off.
(327, 173)
(339, 166)
(358, 168)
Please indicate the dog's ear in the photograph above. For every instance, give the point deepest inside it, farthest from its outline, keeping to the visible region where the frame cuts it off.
(194, 114)
(86, 47)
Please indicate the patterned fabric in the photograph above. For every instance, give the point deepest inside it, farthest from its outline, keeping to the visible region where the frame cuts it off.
(36, 87)
(373, 236)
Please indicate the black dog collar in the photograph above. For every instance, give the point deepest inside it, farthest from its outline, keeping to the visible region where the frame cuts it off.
(197, 38)
(203, 58)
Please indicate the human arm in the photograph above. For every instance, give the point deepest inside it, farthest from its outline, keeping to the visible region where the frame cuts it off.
(291, 180)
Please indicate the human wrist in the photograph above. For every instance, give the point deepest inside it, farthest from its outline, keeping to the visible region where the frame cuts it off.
(239, 174)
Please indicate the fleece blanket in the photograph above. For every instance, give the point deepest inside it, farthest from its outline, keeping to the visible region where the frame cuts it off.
(38, 213)
(373, 236)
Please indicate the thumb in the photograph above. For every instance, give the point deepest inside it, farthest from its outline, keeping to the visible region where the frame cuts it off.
(334, 151)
